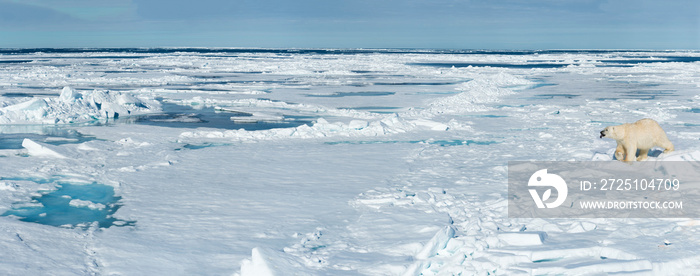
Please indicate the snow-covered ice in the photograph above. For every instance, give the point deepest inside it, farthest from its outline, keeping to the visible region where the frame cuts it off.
(324, 162)
(72, 107)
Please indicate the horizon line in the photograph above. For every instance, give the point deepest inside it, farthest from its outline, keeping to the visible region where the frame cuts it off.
(344, 48)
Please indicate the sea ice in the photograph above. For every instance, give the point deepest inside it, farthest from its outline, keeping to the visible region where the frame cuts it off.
(86, 204)
(36, 149)
(267, 262)
(72, 106)
(399, 156)
(522, 238)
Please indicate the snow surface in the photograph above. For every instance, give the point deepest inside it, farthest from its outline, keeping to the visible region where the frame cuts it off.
(402, 172)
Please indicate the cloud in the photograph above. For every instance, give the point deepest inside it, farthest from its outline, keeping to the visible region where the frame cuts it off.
(89, 10)
(22, 16)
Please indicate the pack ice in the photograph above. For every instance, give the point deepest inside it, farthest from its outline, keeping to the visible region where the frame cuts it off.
(400, 170)
(73, 106)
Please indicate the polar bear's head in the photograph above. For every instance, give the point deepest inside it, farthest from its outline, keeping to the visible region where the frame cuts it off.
(613, 132)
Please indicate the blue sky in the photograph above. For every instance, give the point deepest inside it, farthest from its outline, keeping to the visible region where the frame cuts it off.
(462, 24)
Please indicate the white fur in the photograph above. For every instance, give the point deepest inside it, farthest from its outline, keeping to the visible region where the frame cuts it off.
(641, 135)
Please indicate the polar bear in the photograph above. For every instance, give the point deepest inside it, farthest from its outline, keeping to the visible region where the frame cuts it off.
(641, 135)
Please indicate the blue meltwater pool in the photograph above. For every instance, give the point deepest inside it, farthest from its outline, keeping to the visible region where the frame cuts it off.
(71, 205)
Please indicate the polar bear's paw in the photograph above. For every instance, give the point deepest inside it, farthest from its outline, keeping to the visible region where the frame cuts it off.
(619, 155)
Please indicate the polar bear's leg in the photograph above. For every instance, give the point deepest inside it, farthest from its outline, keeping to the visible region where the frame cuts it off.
(620, 152)
(643, 154)
(630, 153)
